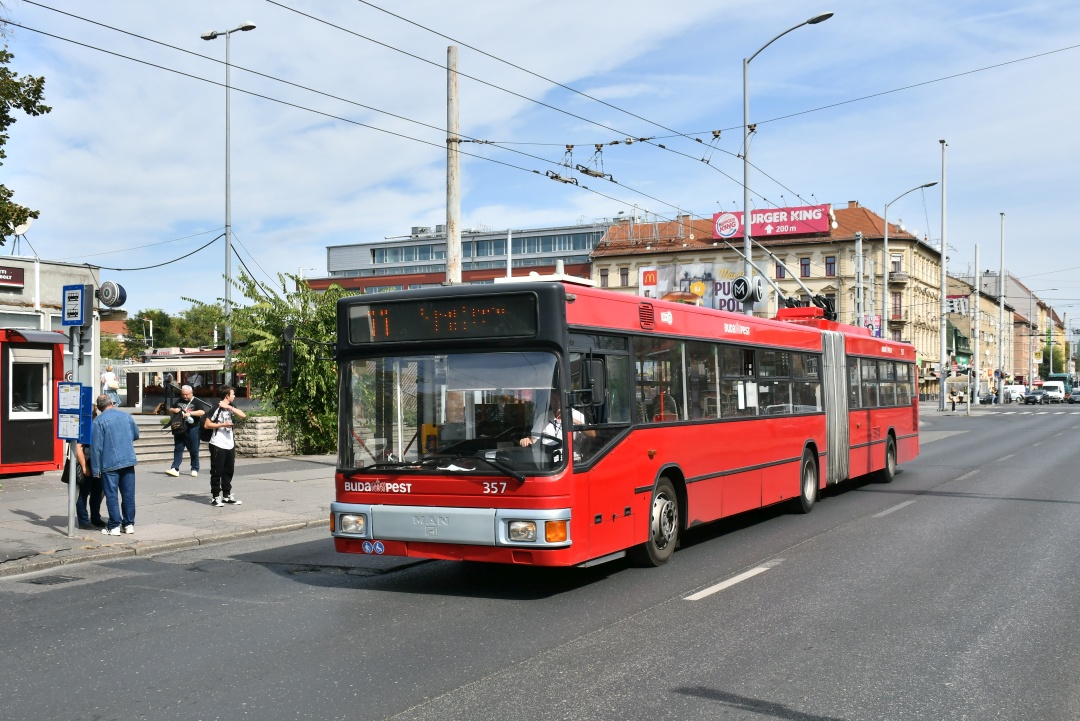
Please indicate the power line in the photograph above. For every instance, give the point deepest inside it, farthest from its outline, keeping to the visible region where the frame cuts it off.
(167, 262)
(148, 245)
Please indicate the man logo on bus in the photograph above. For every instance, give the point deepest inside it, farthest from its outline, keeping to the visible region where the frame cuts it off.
(727, 225)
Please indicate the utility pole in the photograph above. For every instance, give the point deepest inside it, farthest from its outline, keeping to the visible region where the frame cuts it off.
(942, 326)
(453, 172)
(975, 335)
(1001, 316)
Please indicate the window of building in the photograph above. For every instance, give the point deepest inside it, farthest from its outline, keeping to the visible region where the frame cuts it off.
(780, 271)
(804, 267)
(830, 265)
(624, 276)
(896, 261)
(603, 277)
(897, 305)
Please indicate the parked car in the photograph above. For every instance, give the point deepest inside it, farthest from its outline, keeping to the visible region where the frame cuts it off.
(1014, 392)
(986, 398)
(1074, 397)
(1036, 397)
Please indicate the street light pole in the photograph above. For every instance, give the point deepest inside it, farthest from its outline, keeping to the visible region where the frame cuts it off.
(885, 255)
(943, 325)
(748, 304)
(211, 35)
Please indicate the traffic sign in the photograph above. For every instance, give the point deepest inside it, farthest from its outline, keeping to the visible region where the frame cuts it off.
(740, 288)
(78, 305)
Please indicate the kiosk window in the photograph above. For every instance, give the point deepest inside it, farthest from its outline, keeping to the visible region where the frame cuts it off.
(28, 384)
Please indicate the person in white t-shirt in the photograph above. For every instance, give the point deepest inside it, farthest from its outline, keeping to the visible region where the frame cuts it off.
(223, 448)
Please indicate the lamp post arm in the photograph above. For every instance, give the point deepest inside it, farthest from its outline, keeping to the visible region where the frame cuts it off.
(812, 21)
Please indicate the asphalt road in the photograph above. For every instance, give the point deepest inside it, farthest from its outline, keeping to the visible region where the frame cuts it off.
(949, 594)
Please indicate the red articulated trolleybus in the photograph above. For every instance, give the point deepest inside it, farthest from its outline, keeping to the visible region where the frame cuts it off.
(452, 444)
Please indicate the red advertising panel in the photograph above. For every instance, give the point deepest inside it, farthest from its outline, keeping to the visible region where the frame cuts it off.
(774, 221)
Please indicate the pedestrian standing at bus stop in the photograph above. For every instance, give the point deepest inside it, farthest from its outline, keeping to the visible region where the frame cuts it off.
(112, 454)
(223, 448)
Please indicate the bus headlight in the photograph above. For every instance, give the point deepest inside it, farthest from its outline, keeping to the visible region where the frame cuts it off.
(354, 523)
(522, 531)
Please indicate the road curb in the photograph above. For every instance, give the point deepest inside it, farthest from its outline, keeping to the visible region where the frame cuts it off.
(44, 561)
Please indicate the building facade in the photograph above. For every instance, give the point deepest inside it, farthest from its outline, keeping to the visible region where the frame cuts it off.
(419, 259)
(683, 255)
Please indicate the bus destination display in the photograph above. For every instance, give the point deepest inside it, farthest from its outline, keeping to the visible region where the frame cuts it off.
(497, 316)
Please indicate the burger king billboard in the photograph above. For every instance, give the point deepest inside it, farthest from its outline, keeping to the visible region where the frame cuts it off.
(773, 221)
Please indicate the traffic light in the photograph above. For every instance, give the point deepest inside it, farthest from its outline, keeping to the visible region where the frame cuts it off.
(285, 360)
(84, 347)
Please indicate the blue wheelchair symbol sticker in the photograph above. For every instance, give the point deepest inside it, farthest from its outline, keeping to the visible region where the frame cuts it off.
(379, 547)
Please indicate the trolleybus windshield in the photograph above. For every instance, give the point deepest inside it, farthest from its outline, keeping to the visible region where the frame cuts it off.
(451, 413)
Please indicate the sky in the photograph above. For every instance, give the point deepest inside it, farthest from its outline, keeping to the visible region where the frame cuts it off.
(340, 136)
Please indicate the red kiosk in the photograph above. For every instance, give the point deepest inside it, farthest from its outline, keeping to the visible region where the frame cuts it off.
(31, 365)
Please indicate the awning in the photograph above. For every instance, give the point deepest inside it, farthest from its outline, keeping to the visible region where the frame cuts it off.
(182, 365)
(39, 336)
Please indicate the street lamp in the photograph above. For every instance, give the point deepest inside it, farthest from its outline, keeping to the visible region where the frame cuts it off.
(211, 35)
(748, 305)
(885, 256)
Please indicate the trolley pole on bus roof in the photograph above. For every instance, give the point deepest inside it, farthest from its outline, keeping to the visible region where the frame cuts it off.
(453, 172)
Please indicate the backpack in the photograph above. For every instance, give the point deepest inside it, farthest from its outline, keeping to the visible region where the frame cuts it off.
(205, 434)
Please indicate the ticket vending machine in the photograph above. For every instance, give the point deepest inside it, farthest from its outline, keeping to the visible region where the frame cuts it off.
(31, 366)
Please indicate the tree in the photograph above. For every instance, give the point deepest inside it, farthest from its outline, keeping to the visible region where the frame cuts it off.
(308, 408)
(112, 348)
(16, 93)
(1059, 360)
(195, 326)
(163, 328)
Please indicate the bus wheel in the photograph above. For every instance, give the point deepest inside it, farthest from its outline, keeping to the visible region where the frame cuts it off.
(808, 483)
(888, 473)
(663, 526)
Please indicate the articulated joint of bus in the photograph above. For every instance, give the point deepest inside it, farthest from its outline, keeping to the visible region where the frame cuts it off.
(516, 527)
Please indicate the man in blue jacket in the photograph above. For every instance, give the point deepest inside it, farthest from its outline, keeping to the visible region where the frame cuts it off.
(112, 454)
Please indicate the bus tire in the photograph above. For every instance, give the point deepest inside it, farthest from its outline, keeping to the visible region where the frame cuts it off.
(664, 526)
(888, 473)
(808, 483)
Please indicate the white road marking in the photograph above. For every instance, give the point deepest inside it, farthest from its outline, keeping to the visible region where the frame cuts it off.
(997, 461)
(969, 474)
(731, 581)
(897, 507)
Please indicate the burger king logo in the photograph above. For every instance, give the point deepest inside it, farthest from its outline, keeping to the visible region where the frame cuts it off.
(727, 225)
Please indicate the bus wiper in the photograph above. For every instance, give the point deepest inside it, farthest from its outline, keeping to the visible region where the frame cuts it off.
(452, 459)
(389, 464)
(505, 470)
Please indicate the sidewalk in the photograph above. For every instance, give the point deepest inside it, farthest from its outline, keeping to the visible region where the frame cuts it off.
(278, 494)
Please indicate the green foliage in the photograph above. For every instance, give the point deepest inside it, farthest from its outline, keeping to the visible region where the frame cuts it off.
(164, 333)
(112, 348)
(1059, 360)
(195, 326)
(308, 409)
(16, 93)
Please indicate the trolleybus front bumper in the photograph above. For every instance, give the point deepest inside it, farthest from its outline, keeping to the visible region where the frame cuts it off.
(513, 527)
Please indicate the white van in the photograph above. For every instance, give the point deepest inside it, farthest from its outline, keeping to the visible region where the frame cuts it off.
(1055, 390)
